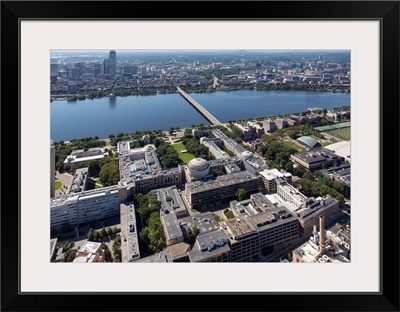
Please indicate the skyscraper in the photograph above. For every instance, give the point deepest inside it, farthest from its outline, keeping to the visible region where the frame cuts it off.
(52, 168)
(105, 67)
(112, 63)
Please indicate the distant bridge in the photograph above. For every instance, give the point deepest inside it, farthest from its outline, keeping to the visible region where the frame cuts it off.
(200, 108)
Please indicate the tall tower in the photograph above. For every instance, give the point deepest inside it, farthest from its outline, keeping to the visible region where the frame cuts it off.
(322, 234)
(52, 168)
(105, 67)
(112, 63)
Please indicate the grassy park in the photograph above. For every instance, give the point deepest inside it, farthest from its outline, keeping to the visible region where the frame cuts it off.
(291, 144)
(57, 185)
(184, 157)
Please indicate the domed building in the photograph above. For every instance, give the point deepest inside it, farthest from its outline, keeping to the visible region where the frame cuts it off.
(308, 142)
(198, 168)
(146, 139)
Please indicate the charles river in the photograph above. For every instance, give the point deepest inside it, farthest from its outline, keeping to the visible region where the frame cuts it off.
(111, 115)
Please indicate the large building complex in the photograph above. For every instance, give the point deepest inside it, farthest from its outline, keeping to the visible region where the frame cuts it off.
(316, 159)
(201, 192)
(85, 154)
(86, 206)
(141, 171)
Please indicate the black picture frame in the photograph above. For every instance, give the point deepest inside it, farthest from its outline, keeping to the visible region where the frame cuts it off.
(385, 11)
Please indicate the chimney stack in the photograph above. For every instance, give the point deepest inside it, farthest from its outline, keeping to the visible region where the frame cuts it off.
(321, 234)
(315, 234)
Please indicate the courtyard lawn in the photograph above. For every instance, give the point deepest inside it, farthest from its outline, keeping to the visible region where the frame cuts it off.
(343, 133)
(184, 157)
(57, 185)
(97, 183)
(326, 144)
(295, 146)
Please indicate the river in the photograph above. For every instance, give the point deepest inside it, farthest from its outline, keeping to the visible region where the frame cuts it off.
(111, 115)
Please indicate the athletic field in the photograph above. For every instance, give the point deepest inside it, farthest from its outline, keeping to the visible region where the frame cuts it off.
(343, 134)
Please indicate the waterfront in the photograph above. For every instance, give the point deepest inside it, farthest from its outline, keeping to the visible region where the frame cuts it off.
(111, 115)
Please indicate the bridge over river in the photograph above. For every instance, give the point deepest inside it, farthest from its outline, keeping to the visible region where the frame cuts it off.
(200, 108)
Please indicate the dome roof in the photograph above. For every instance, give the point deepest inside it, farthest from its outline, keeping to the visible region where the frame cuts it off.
(247, 154)
(309, 141)
(198, 164)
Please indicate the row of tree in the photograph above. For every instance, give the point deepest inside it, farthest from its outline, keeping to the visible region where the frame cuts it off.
(97, 236)
(152, 234)
(316, 188)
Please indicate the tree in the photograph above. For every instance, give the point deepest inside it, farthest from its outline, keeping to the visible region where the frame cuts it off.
(94, 168)
(109, 173)
(171, 131)
(192, 234)
(103, 232)
(107, 253)
(90, 235)
(70, 255)
(96, 236)
(241, 194)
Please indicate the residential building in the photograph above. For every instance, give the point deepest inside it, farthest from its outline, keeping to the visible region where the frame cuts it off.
(269, 125)
(281, 123)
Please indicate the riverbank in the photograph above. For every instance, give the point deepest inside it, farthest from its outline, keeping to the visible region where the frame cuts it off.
(125, 93)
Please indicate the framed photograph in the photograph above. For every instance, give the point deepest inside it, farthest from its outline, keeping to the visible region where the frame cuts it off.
(191, 70)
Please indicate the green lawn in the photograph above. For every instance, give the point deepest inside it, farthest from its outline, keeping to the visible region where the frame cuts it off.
(57, 185)
(326, 144)
(293, 145)
(343, 134)
(184, 157)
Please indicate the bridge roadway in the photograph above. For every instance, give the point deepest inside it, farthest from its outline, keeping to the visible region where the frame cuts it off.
(199, 108)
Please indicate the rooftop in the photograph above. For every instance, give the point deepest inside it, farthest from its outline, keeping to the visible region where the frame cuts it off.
(129, 234)
(205, 222)
(220, 181)
(317, 155)
(90, 247)
(209, 245)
